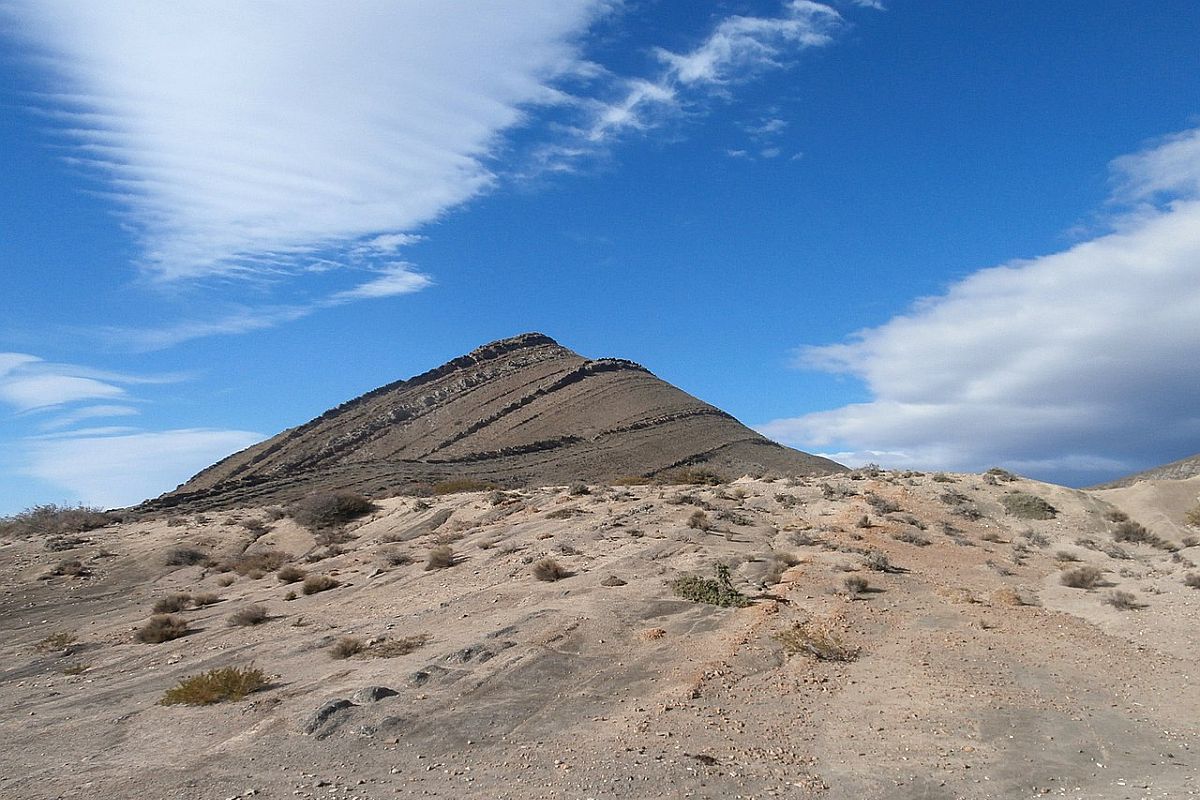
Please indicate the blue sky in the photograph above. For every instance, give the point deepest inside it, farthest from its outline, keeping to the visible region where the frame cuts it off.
(926, 234)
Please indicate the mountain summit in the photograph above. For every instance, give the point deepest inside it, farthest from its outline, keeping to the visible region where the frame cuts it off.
(517, 412)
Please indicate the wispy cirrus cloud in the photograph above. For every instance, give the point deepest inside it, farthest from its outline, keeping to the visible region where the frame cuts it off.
(1076, 365)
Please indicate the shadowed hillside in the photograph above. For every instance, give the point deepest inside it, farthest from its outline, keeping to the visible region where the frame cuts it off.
(1179, 470)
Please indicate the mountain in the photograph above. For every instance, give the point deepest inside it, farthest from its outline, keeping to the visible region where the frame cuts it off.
(522, 411)
(1177, 470)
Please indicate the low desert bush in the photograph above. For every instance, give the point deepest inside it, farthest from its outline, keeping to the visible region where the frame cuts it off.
(185, 557)
(259, 563)
(717, 592)
(250, 615)
(777, 564)
(1124, 601)
(878, 561)
(1192, 516)
(1115, 515)
(549, 570)
(863, 522)
(1085, 577)
(55, 642)
(205, 599)
(320, 510)
(459, 485)
(565, 513)
(53, 520)
(1001, 474)
(70, 567)
(225, 580)
(289, 573)
(162, 628)
(911, 537)
(172, 603)
(696, 476)
(314, 584)
(1192, 580)
(855, 585)
(816, 641)
(881, 504)
(578, 489)
(255, 527)
(699, 521)
(395, 558)
(347, 646)
(393, 648)
(216, 686)
(1136, 533)
(440, 557)
(1027, 506)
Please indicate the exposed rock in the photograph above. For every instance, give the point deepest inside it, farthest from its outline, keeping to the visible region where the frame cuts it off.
(317, 719)
(372, 694)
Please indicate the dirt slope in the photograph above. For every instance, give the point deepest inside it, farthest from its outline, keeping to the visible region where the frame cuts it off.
(518, 412)
(978, 673)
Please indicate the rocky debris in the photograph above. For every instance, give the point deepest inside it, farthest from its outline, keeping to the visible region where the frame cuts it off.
(315, 721)
(612, 580)
(372, 694)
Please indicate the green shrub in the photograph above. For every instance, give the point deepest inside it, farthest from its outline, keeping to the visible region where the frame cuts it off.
(1027, 506)
(717, 592)
(216, 686)
(320, 510)
(162, 628)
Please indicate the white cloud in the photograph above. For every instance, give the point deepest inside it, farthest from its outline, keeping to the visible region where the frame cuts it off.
(120, 470)
(398, 278)
(242, 135)
(28, 383)
(1080, 363)
(88, 412)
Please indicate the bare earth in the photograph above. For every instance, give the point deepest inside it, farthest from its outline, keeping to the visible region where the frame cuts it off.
(979, 674)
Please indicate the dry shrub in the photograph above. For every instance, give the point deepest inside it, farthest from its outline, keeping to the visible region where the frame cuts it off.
(1192, 580)
(393, 648)
(185, 557)
(162, 628)
(1027, 506)
(549, 570)
(205, 599)
(52, 520)
(216, 686)
(855, 586)
(777, 564)
(696, 476)
(250, 615)
(1065, 556)
(881, 504)
(863, 522)
(395, 558)
(440, 557)
(878, 561)
(911, 537)
(60, 640)
(225, 580)
(1124, 601)
(70, 567)
(1192, 516)
(699, 521)
(172, 603)
(320, 510)
(290, 573)
(255, 527)
(991, 536)
(317, 583)
(817, 641)
(258, 564)
(459, 485)
(1085, 577)
(1136, 533)
(652, 634)
(565, 513)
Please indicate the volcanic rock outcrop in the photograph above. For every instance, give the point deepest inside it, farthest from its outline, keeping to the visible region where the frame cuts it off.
(517, 412)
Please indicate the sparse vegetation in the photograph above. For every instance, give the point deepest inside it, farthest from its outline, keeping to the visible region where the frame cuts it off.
(1001, 474)
(1192, 580)
(1124, 601)
(314, 584)
(549, 570)
(216, 686)
(1027, 506)
(881, 504)
(1136, 533)
(258, 563)
(863, 522)
(1192, 516)
(205, 599)
(289, 573)
(911, 537)
(185, 557)
(70, 567)
(440, 557)
(717, 592)
(460, 485)
(696, 476)
(321, 510)
(878, 561)
(53, 520)
(855, 585)
(395, 558)
(1085, 577)
(250, 615)
(172, 603)
(565, 513)
(699, 521)
(816, 641)
(162, 628)
(59, 640)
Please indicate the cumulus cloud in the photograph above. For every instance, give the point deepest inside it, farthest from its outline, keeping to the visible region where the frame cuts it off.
(1076, 365)
(243, 135)
(124, 469)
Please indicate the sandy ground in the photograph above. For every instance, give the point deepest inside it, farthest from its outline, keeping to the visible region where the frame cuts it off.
(979, 675)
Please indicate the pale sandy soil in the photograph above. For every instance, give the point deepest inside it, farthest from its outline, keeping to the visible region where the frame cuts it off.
(529, 689)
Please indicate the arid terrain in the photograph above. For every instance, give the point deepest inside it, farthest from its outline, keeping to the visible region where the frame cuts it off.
(905, 635)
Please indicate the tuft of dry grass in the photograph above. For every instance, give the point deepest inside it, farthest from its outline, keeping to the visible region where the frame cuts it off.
(440, 557)
(205, 599)
(314, 584)
(172, 603)
(1124, 601)
(216, 686)
(1192, 580)
(250, 615)
(185, 557)
(289, 573)
(162, 628)
(549, 570)
(1085, 577)
(699, 521)
(816, 641)
(59, 640)
(347, 646)
(257, 564)
(855, 586)
(53, 520)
